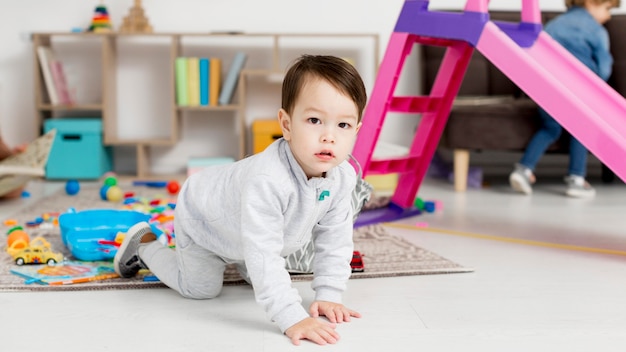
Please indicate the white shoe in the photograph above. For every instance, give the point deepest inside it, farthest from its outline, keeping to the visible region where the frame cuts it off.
(521, 179)
(577, 187)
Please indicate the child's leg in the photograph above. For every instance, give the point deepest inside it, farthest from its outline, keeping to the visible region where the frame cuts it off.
(577, 158)
(192, 271)
(549, 132)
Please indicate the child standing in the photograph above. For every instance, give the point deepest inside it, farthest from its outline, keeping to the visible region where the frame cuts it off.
(256, 211)
(580, 31)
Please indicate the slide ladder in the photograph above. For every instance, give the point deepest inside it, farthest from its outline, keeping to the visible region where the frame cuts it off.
(434, 108)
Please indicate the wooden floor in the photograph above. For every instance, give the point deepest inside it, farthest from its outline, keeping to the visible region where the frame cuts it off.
(550, 276)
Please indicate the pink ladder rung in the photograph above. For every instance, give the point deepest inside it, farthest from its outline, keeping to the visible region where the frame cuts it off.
(388, 73)
(446, 86)
(435, 108)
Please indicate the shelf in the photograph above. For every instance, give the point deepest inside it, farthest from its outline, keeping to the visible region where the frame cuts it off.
(209, 108)
(134, 142)
(81, 107)
(132, 79)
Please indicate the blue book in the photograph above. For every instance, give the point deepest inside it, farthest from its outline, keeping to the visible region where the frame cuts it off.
(204, 81)
(232, 78)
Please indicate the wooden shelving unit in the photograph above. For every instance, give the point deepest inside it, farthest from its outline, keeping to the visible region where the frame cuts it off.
(269, 55)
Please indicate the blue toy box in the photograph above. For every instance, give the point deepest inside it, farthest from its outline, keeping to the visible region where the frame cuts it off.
(89, 234)
(77, 152)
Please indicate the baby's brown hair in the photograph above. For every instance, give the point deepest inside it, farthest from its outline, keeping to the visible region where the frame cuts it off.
(570, 3)
(336, 71)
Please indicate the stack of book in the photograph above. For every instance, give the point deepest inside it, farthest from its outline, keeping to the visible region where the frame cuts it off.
(199, 80)
(54, 77)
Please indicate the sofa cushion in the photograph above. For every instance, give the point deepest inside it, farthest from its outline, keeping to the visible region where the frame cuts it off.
(502, 123)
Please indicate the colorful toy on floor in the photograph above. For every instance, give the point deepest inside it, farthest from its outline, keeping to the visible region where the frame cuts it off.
(70, 272)
(427, 206)
(154, 184)
(110, 180)
(16, 234)
(37, 251)
(114, 194)
(72, 187)
(357, 262)
(173, 187)
(88, 233)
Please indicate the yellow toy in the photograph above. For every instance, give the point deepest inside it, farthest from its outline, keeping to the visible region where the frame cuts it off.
(37, 252)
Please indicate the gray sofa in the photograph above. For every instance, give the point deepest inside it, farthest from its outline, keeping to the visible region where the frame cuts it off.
(492, 113)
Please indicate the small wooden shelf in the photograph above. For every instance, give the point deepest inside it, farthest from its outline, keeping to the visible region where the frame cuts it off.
(134, 142)
(209, 108)
(110, 62)
(82, 107)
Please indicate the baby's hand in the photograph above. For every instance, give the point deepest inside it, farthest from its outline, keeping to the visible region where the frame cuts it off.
(314, 330)
(335, 312)
(20, 148)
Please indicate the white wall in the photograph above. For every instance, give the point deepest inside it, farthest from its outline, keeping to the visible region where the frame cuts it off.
(18, 18)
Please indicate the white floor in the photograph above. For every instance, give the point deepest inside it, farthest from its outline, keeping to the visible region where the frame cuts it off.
(523, 296)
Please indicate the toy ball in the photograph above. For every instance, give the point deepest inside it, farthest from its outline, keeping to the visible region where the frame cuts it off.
(429, 206)
(173, 187)
(419, 203)
(72, 187)
(110, 181)
(16, 236)
(103, 192)
(114, 194)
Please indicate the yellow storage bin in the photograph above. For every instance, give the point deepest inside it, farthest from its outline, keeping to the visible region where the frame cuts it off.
(383, 183)
(264, 133)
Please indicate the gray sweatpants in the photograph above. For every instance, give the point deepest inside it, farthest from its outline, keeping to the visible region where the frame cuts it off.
(192, 271)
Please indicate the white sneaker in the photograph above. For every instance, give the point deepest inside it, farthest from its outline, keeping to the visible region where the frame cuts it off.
(577, 187)
(521, 179)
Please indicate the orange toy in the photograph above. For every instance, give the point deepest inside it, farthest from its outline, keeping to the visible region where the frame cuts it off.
(18, 235)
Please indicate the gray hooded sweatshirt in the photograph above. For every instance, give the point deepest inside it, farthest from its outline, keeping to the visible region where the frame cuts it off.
(262, 208)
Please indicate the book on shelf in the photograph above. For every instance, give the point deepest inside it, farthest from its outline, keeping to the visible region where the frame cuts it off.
(204, 81)
(193, 81)
(215, 75)
(181, 81)
(46, 57)
(60, 82)
(232, 78)
(17, 169)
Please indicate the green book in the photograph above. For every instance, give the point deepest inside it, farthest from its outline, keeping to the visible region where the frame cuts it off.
(182, 97)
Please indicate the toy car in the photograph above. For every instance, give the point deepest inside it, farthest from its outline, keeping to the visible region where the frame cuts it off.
(357, 262)
(37, 252)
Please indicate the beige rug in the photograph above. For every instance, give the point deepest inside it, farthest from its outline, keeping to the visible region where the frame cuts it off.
(384, 255)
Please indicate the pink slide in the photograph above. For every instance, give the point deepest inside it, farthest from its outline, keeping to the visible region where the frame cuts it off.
(579, 100)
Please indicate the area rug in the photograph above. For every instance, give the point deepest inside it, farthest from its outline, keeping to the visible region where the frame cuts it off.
(385, 255)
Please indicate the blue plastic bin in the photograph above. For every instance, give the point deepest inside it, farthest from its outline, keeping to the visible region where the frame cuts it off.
(84, 232)
(77, 152)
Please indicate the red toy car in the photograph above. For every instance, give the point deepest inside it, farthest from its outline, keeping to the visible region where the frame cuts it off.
(357, 262)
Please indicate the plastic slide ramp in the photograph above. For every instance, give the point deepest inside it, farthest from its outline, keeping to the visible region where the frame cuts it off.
(577, 98)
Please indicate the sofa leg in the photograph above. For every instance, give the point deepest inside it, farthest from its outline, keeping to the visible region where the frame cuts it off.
(461, 169)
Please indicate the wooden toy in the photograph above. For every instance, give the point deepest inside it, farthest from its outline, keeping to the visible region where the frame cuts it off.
(136, 21)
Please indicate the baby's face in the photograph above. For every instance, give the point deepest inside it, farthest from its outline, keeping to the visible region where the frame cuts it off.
(322, 129)
(600, 12)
